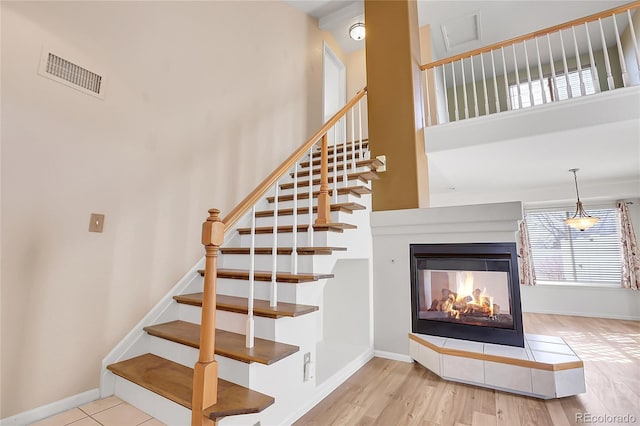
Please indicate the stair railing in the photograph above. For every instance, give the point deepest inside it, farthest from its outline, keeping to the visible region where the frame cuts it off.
(553, 64)
(213, 229)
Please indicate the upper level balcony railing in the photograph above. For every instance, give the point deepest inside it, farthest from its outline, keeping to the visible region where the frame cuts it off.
(578, 58)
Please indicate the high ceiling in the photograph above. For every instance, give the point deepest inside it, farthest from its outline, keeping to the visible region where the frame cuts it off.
(498, 20)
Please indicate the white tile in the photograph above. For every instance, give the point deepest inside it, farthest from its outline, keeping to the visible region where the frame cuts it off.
(430, 359)
(507, 376)
(559, 348)
(434, 340)
(101, 404)
(63, 418)
(569, 382)
(414, 350)
(121, 415)
(506, 351)
(87, 421)
(464, 345)
(152, 422)
(467, 369)
(553, 358)
(543, 383)
(542, 338)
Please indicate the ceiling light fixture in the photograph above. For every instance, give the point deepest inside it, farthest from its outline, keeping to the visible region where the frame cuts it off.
(580, 220)
(356, 31)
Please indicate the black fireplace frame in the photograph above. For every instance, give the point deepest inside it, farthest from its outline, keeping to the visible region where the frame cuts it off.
(484, 251)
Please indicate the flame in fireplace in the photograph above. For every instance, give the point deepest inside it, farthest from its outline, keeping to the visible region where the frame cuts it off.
(467, 300)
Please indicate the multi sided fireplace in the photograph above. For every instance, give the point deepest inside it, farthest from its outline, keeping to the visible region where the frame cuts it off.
(467, 291)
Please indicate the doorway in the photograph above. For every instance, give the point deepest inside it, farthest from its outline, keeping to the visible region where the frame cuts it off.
(334, 92)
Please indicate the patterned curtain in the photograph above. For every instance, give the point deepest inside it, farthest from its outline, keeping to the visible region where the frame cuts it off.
(630, 252)
(527, 273)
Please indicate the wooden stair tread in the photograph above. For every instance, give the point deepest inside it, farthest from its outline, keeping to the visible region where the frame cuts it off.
(357, 190)
(317, 161)
(373, 164)
(228, 344)
(340, 147)
(281, 277)
(239, 305)
(364, 177)
(339, 207)
(329, 227)
(175, 382)
(283, 250)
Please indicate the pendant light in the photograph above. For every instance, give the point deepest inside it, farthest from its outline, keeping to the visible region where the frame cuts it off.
(580, 220)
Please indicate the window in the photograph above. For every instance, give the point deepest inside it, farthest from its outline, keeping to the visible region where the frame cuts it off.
(547, 84)
(563, 255)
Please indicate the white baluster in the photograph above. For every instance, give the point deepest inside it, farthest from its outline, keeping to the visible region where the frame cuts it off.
(273, 291)
(428, 99)
(594, 68)
(607, 64)
(353, 139)
(344, 160)
(515, 64)
(294, 252)
(475, 93)
(310, 227)
(566, 68)
(464, 90)
(250, 332)
(506, 81)
(360, 130)
(455, 92)
(623, 64)
(526, 58)
(540, 74)
(484, 86)
(446, 96)
(335, 163)
(633, 37)
(554, 83)
(583, 91)
(495, 83)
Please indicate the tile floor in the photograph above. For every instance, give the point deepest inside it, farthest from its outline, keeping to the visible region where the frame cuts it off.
(111, 411)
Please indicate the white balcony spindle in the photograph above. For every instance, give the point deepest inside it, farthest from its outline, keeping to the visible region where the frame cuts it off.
(526, 59)
(427, 98)
(515, 65)
(495, 83)
(310, 204)
(273, 291)
(623, 63)
(594, 68)
(294, 246)
(506, 79)
(540, 74)
(464, 90)
(566, 68)
(583, 91)
(250, 328)
(484, 86)
(633, 37)
(554, 83)
(475, 93)
(607, 63)
(446, 96)
(455, 92)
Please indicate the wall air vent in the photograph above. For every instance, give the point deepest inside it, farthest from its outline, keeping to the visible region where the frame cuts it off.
(66, 72)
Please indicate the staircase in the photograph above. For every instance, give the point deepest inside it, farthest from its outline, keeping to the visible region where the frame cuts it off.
(268, 379)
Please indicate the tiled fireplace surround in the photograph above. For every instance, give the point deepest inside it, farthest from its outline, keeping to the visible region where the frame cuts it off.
(545, 368)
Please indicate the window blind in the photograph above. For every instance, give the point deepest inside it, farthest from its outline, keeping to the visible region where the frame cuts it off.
(564, 255)
(547, 86)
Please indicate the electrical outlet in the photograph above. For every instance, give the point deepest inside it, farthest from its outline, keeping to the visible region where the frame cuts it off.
(383, 159)
(96, 222)
(307, 367)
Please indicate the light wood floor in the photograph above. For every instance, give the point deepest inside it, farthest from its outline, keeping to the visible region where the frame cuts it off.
(386, 392)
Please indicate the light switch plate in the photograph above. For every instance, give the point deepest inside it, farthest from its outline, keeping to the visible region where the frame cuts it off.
(96, 222)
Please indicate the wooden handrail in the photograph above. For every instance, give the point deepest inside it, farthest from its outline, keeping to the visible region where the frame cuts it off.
(533, 35)
(266, 184)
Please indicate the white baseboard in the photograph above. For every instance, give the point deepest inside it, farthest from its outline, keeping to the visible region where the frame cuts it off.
(392, 355)
(583, 314)
(44, 411)
(330, 385)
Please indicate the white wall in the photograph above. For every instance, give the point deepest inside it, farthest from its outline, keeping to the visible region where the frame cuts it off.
(203, 100)
(394, 230)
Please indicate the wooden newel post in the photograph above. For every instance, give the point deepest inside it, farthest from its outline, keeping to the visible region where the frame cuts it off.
(323, 198)
(205, 372)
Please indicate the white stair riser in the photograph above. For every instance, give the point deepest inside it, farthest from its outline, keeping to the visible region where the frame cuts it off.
(285, 239)
(303, 219)
(240, 288)
(263, 262)
(304, 202)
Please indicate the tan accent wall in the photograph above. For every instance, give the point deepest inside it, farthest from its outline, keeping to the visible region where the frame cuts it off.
(203, 100)
(396, 104)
